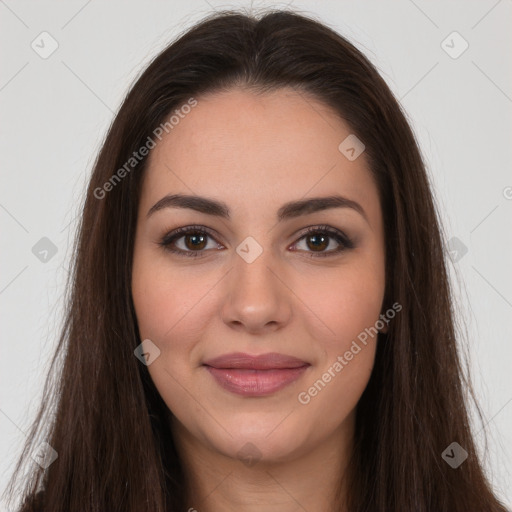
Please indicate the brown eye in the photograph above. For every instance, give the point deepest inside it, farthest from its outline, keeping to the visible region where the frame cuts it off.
(195, 241)
(318, 239)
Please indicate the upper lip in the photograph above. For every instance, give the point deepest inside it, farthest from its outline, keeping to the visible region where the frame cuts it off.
(269, 361)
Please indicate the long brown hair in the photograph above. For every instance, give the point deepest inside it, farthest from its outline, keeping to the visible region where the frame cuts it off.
(101, 412)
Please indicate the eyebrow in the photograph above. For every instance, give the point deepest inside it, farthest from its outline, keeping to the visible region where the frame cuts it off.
(289, 210)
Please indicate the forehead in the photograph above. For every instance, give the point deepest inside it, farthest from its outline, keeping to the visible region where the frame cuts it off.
(255, 149)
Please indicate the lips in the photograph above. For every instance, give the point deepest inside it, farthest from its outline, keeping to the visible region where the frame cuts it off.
(254, 376)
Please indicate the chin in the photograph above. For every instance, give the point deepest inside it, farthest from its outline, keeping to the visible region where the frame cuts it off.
(267, 442)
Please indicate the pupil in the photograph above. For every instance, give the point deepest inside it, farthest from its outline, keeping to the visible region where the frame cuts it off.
(195, 238)
(321, 244)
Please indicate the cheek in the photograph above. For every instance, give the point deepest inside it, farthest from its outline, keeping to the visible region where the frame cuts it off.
(165, 299)
(333, 392)
(347, 300)
(169, 309)
(350, 305)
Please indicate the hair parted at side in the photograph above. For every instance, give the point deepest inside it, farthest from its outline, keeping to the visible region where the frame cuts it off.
(101, 411)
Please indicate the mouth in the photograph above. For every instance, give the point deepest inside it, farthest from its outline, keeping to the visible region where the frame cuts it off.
(261, 375)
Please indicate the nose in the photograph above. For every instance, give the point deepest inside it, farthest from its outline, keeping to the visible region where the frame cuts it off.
(257, 299)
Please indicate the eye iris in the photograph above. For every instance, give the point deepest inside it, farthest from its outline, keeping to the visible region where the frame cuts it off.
(195, 245)
(318, 245)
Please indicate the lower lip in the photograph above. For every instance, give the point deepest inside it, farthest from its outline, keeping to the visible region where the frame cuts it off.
(248, 382)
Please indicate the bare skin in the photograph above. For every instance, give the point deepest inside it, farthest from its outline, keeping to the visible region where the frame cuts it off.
(255, 153)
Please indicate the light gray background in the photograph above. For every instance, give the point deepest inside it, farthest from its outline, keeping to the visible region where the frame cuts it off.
(55, 112)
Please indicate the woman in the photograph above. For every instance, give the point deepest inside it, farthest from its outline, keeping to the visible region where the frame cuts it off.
(260, 314)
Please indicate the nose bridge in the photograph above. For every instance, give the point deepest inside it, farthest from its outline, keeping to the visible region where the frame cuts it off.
(256, 296)
(253, 262)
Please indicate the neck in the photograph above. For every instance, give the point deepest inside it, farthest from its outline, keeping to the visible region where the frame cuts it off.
(312, 481)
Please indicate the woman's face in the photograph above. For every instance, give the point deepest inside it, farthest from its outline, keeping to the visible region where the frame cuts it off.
(256, 282)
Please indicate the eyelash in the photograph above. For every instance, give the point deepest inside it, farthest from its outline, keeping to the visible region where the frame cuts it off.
(340, 237)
